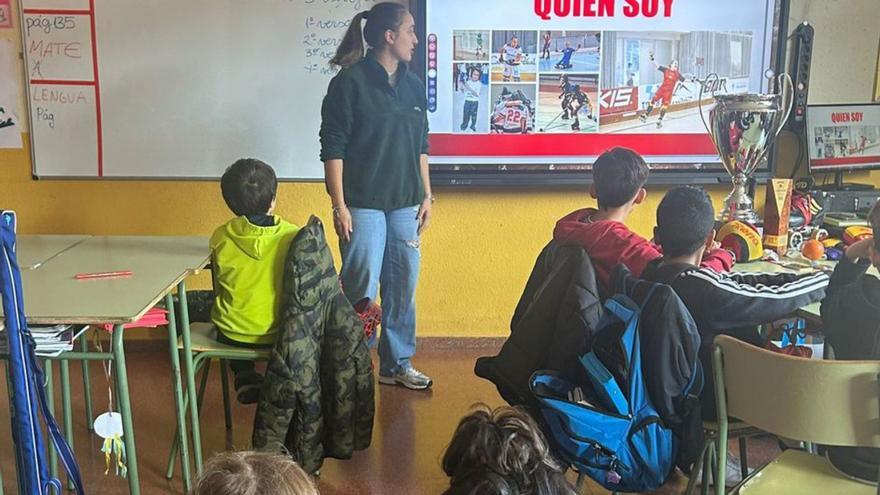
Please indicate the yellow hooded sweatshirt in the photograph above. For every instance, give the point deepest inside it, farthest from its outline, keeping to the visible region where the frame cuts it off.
(248, 276)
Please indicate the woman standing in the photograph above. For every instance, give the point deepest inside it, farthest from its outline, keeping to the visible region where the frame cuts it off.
(374, 145)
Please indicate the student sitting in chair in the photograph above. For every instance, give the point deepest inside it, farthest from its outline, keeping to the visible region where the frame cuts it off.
(248, 254)
(851, 323)
(729, 303)
(619, 176)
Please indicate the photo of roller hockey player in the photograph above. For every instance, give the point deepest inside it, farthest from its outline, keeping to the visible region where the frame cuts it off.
(514, 112)
(651, 81)
(566, 103)
(514, 54)
(546, 36)
(511, 56)
(576, 51)
(471, 96)
(671, 79)
(469, 45)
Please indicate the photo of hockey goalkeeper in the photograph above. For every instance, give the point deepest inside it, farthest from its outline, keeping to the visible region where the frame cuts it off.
(470, 45)
(569, 51)
(567, 103)
(513, 56)
(651, 81)
(471, 98)
(513, 110)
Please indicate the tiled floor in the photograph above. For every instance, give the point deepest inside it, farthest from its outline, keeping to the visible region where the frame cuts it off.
(411, 431)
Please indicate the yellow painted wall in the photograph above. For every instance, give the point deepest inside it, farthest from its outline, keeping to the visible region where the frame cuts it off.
(476, 255)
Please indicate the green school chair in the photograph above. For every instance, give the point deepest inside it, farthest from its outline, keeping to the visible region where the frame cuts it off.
(205, 348)
(707, 461)
(826, 402)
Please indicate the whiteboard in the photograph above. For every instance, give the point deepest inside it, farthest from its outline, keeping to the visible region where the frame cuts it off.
(178, 88)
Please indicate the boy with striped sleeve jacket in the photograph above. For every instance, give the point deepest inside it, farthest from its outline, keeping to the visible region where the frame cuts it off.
(721, 303)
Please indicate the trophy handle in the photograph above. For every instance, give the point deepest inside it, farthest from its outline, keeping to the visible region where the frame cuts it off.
(790, 100)
(700, 103)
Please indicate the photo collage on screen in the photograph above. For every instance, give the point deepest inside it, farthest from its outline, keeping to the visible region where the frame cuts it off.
(523, 81)
(580, 81)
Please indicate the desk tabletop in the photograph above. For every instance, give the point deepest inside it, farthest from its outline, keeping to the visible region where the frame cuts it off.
(812, 310)
(809, 311)
(34, 250)
(158, 264)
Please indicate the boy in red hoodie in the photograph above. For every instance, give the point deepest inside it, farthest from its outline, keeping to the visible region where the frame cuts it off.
(619, 176)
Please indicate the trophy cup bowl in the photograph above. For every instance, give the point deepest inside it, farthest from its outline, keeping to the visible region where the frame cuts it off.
(743, 128)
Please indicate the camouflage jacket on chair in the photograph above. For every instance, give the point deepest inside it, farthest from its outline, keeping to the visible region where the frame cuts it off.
(317, 398)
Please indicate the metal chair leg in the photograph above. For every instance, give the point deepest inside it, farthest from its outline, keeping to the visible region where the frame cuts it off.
(50, 401)
(224, 384)
(66, 409)
(743, 457)
(707, 469)
(175, 443)
(87, 382)
(692, 479)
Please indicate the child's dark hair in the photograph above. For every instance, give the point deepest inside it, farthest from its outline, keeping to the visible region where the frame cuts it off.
(618, 174)
(874, 219)
(685, 218)
(380, 18)
(501, 452)
(253, 473)
(248, 187)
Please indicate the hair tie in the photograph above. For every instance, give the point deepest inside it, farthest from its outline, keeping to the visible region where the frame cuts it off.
(366, 13)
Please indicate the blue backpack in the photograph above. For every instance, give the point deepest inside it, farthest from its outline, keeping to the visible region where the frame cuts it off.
(609, 428)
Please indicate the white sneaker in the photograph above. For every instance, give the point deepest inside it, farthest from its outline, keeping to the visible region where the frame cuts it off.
(410, 378)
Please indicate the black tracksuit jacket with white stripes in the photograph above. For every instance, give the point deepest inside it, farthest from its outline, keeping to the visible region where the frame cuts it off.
(734, 304)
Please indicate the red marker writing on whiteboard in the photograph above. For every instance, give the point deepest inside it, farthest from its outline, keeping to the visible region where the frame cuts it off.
(116, 274)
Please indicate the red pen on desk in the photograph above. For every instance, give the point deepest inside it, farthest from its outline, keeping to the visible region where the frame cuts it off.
(116, 274)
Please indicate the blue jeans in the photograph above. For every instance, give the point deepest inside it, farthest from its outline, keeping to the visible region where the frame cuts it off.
(384, 253)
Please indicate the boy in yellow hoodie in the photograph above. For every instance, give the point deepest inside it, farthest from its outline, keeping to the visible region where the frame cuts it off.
(249, 253)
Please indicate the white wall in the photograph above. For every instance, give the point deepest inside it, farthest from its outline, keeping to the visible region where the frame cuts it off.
(844, 64)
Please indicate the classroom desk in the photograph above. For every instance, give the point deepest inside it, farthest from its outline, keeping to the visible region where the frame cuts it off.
(34, 250)
(810, 311)
(158, 264)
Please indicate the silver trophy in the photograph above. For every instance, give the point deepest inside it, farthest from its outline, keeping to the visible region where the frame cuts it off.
(743, 127)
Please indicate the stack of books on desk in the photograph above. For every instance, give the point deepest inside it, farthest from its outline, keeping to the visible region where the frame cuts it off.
(50, 341)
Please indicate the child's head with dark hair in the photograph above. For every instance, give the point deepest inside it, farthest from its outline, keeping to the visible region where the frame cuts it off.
(249, 187)
(500, 452)
(253, 473)
(685, 221)
(619, 175)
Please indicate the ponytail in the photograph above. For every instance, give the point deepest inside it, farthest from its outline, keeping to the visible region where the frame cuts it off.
(351, 48)
(382, 17)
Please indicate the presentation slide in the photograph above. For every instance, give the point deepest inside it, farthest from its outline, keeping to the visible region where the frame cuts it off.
(560, 81)
(843, 136)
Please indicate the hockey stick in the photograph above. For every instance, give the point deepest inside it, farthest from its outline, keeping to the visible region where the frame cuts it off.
(551, 122)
